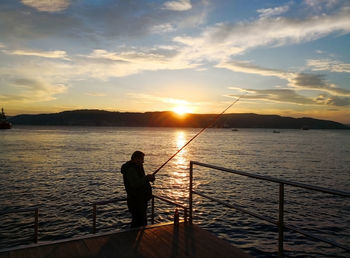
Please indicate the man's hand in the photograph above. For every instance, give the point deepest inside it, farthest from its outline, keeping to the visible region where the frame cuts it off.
(150, 177)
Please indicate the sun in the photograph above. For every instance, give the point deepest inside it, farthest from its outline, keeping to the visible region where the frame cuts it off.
(181, 110)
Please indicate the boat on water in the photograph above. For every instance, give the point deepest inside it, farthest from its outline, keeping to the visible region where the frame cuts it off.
(4, 123)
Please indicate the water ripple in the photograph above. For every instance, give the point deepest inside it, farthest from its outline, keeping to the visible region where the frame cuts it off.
(64, 170)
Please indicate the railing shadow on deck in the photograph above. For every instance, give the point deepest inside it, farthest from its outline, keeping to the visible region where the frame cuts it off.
(280, 222)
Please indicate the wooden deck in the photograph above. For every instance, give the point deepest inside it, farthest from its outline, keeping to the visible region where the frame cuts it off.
(165, 240)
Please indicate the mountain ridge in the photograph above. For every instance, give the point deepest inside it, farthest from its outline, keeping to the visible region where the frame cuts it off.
(95, 117)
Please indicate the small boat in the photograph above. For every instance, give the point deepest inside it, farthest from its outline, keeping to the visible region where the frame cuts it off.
(234, 130)
(4, 123)
(276, 131)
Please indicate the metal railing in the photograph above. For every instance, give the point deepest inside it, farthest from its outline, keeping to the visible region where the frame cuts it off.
(188, 211)
(94, 212)
(280, 222)
(36, 218)
(170, 202)
(94, 208)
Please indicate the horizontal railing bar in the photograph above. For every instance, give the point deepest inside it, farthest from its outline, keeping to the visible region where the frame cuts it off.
(109, 201)
(94, 228)
(30, 209)
(124, 199)
(303, 232)
(237, 207)
(171, 202)
(275, 180)
(290, 227)
(113, 227)
(18, 210)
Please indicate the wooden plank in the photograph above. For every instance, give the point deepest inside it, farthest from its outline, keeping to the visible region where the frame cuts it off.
(125, 243)
(191, 241)
(171, 238)
(147, 245)
(95, 245)
(77, 247)
(109, 246)
(5, 255)
(181, 240)
(184, 240)
(158, 242)
(215, 245)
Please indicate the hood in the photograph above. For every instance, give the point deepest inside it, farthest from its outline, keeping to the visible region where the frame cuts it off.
(126, 165)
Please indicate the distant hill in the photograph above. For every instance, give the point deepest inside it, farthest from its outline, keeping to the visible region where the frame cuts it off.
(169, 119)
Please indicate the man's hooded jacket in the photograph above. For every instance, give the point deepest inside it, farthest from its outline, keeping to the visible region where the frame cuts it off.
(136, 185)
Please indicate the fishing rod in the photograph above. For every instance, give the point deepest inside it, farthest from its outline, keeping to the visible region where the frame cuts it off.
(208, 125)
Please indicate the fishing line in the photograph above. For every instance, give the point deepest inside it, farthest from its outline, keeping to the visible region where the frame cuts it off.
(209, 125)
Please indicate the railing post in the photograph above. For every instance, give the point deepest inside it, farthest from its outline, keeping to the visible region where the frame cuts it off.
(94, 219)
(36, 225)
(190, 192)
(280, 220)
(152, 217)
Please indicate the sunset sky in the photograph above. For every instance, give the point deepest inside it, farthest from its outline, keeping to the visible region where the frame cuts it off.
(291, 58)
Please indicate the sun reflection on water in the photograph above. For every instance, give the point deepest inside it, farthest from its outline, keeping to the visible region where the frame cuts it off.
(180, 139)
(181, 158)
(179, 175)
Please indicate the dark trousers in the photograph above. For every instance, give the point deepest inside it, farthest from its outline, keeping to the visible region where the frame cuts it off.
(138, 210)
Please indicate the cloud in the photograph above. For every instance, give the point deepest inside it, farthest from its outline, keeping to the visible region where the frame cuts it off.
(19, 24)
(332, 100)
(158, 54)
(214, 44)
(291, 96)
(47, 54)
(320, 5)
(318, 51)
(328, 65)
(201, 49)
(104, 64)
(151, 98)
(99, 64)
(269, 12)
(54, 71)
(93, 22)
(180, 5)
(277, 95)
(26, 90)
(47, 5)
(247, 67)
(175, 101)
(161, 28)
(316, 82)
(299, 81)
(338, 101)
(225, 39)
(95, 94)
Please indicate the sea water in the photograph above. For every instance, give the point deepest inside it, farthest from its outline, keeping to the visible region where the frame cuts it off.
(63, 170)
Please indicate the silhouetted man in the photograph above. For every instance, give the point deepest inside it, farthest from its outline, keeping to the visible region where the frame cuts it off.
(138, 188)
